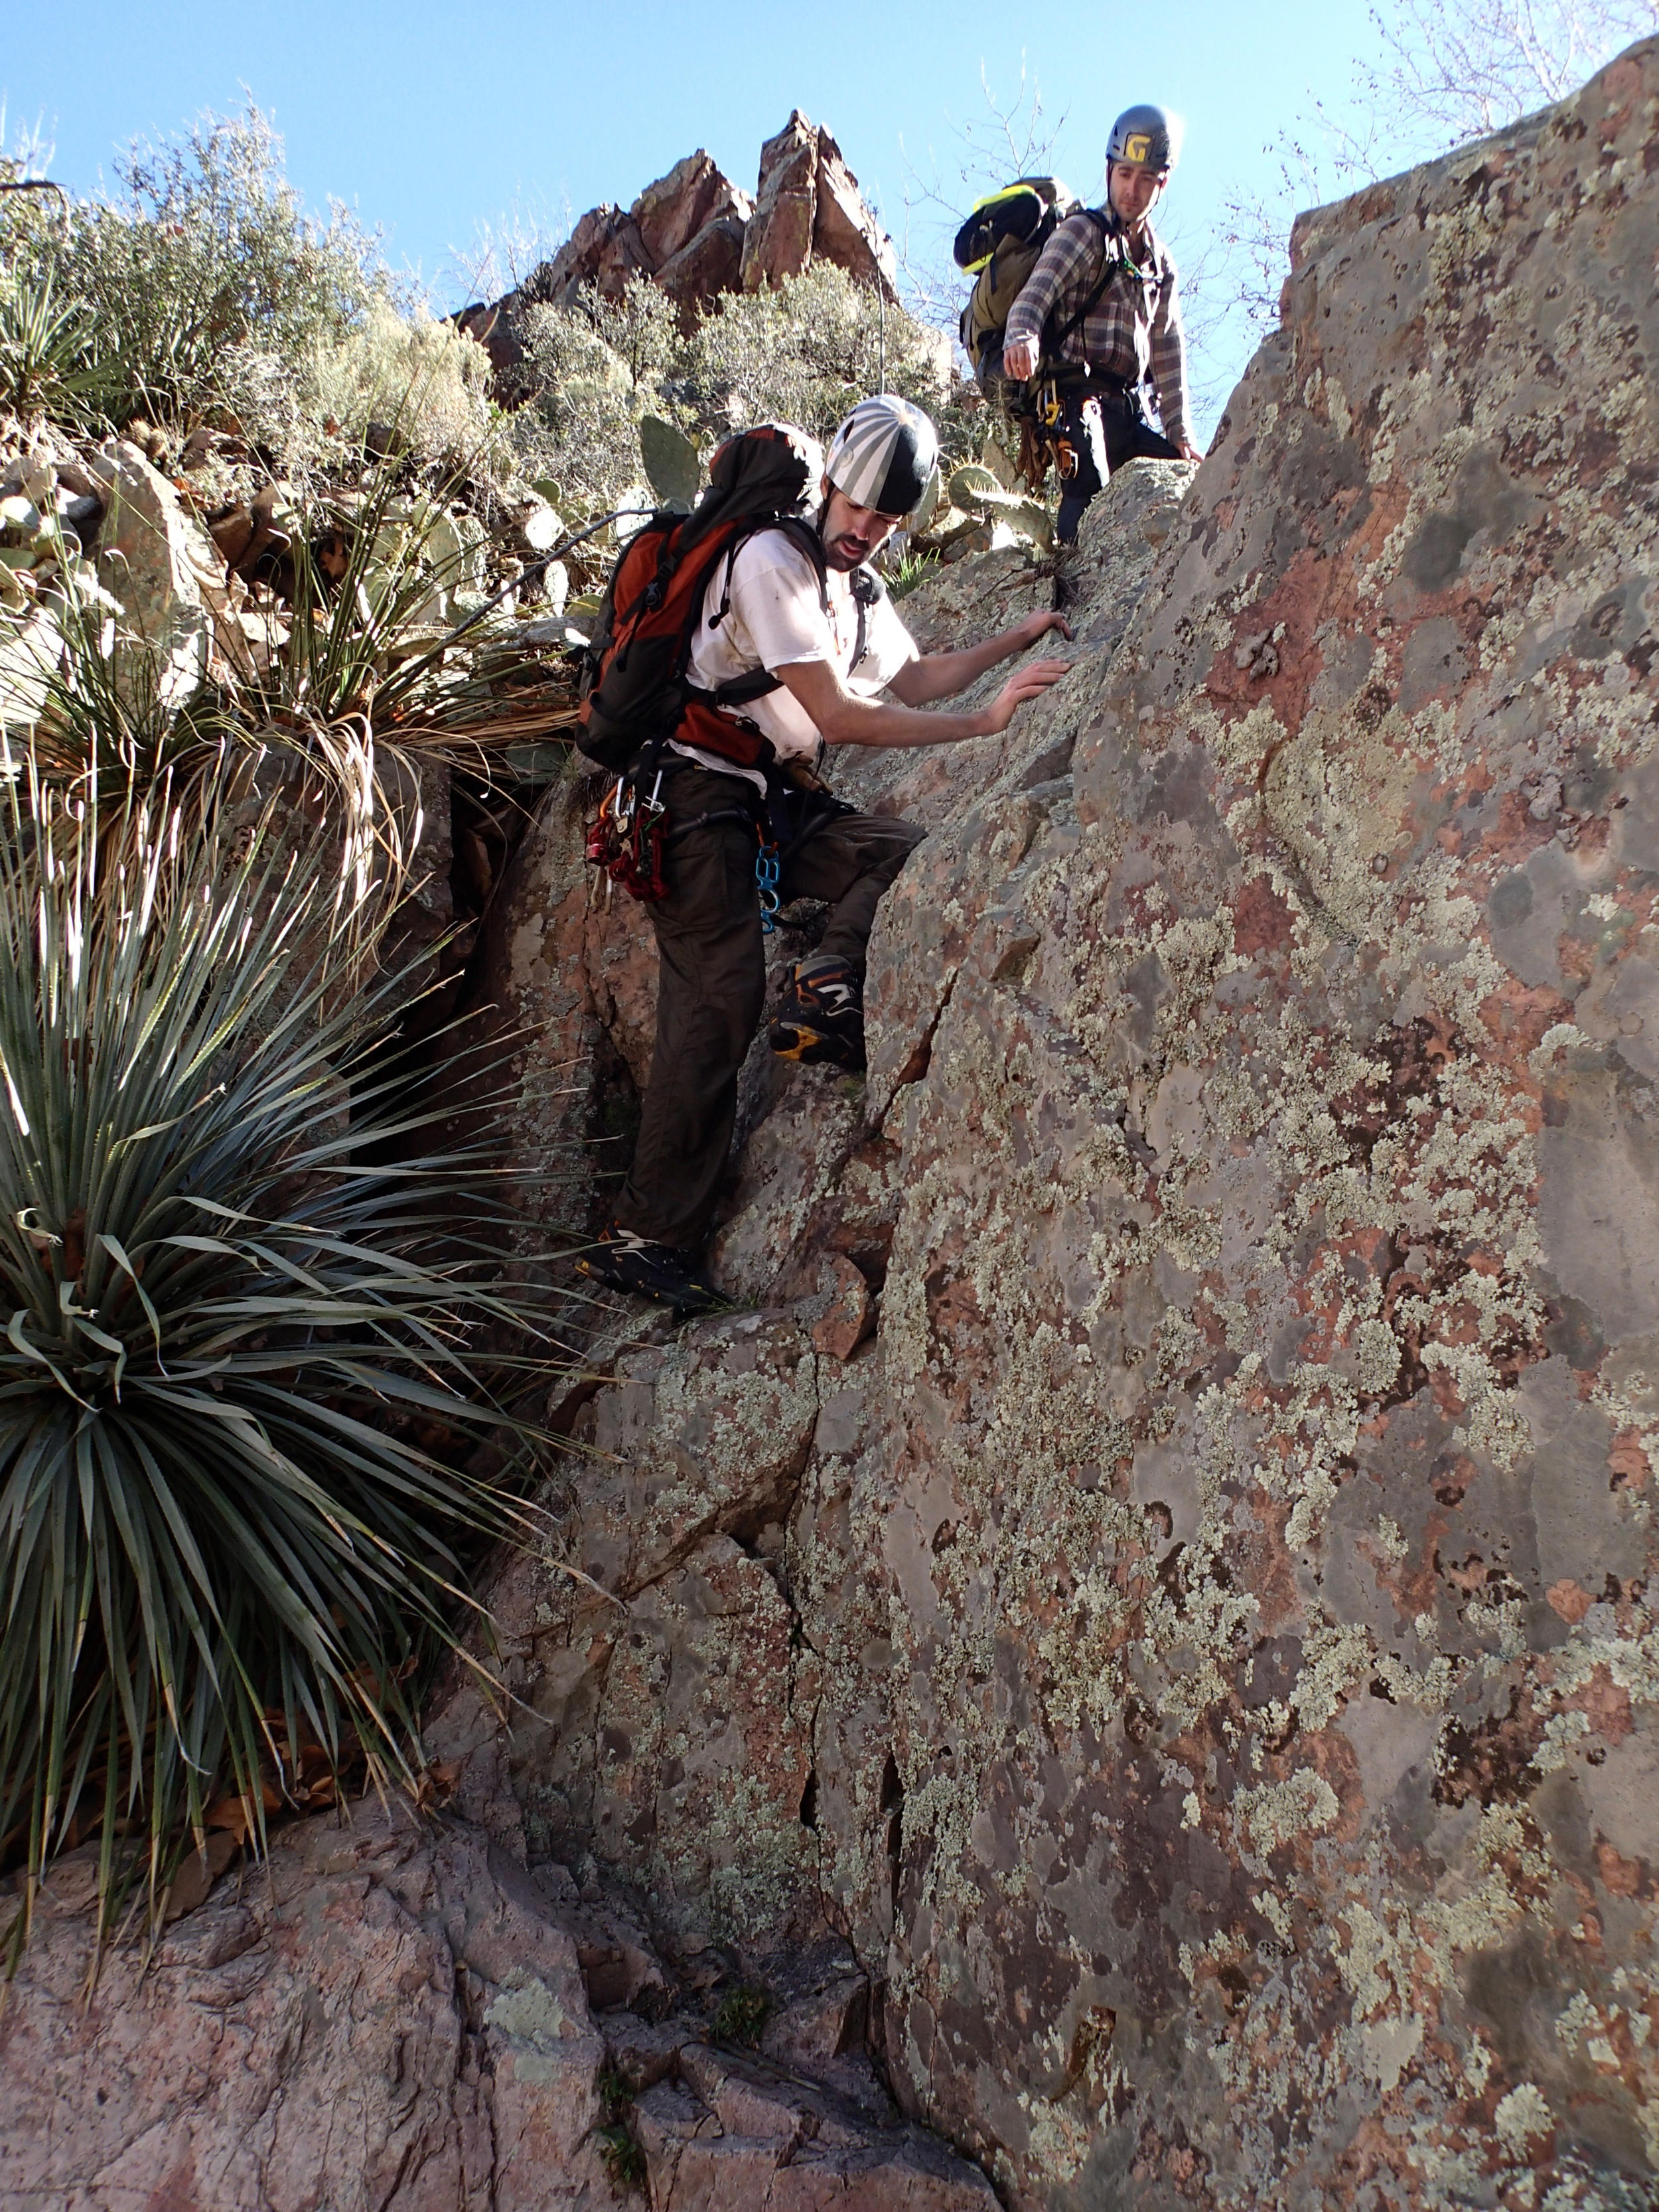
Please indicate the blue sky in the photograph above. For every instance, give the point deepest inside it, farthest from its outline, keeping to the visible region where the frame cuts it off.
(429, 121)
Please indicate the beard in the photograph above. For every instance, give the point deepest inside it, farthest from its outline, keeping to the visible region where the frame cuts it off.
(847, 552)
(849, 548)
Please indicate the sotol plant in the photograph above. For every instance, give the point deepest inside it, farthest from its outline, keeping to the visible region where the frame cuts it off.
(242, 1367)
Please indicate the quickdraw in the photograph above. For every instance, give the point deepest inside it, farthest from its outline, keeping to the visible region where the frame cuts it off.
(1050, 413)
(766, 881)
(627, 839)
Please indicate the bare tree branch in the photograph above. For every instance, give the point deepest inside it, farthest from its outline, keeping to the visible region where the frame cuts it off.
(1445, 71)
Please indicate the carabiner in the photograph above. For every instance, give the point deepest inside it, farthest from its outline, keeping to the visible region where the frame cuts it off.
(766, 880)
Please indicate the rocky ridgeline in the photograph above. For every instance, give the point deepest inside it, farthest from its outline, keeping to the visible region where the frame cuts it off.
(1143, 1640)
(697, 234)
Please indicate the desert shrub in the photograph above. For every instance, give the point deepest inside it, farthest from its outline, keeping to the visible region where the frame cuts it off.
(204, 249)
(580, 426)
(422, 380)
(804, 353)
(244, 1366)
(641, 328)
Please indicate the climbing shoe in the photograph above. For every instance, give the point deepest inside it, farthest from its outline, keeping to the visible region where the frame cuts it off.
(821, 1021)
(666, 1273)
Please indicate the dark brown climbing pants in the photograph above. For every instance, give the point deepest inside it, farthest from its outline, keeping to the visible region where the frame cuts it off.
(712, 984)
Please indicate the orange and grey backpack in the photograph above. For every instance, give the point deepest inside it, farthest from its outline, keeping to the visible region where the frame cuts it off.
(636, 687)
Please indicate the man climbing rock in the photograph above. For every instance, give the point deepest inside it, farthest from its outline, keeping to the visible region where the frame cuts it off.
(831, 637)
(1099, 319)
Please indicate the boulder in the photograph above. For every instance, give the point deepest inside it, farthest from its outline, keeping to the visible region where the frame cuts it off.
(387, 2015)
(392, 2014)
(165, 570)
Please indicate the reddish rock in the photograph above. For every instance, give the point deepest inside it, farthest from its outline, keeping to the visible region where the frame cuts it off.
(697, 235)
(844, 231)
(710, 265)
(850, 1317)
(670, 213)
(778, 239)
(391, 2017)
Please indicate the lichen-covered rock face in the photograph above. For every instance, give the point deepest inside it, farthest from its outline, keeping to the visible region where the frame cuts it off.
(1266, 1435)
(1219, 1594)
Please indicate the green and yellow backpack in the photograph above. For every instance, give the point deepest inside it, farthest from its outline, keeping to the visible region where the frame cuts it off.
(999, 245)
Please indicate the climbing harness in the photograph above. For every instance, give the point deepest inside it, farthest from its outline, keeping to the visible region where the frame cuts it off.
(629, 838)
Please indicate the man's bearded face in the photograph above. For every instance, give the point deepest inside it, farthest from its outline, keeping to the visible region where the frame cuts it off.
(853, 534)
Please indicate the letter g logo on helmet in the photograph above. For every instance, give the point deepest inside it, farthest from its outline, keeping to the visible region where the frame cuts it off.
(1147, 135)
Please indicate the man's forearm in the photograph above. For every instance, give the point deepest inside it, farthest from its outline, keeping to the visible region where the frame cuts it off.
(845, 718)
(941, 675)
(855, 721)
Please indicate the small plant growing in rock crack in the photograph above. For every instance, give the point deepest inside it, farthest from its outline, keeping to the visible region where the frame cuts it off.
(619, 2147)
(741, 2015)
(616, 2091)
(912, 568)
(625, 2159)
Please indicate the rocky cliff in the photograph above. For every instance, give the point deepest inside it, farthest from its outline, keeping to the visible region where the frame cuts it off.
(1154, 1599)
(697, 235)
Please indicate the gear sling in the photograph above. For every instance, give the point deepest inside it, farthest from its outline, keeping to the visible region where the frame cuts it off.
(637, 688)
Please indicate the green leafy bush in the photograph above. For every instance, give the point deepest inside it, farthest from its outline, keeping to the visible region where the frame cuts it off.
(580, 427)
(804, 353)
(245, 1365)
(207, 249)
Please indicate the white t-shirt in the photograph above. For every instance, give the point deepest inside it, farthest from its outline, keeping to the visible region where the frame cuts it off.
(776, 617)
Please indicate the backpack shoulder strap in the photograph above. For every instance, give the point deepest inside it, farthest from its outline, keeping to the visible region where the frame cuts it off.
(799, 531)
(1103, 224)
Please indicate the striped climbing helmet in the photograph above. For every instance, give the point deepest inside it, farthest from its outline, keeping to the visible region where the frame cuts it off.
(884, 455)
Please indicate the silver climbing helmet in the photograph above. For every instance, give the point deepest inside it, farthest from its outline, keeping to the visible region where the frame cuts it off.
(884, 455)
(1147, 136)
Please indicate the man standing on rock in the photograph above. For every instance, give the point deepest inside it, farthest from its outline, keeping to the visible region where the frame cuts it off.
(768, 610)
(1105, 292)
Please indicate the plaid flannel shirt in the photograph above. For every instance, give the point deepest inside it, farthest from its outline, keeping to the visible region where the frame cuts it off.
(1133, 330)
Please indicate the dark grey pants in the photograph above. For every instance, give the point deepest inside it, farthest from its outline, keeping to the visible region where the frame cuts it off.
(712, 984)
(1104, 430)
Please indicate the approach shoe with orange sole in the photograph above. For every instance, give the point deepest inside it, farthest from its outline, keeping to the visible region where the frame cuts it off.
(821, 1020)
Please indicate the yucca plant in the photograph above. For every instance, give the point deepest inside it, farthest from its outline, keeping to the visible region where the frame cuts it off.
(243, 1368)
(46, 352)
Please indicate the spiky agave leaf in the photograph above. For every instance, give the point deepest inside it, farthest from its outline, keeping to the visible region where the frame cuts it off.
(236, 1362)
